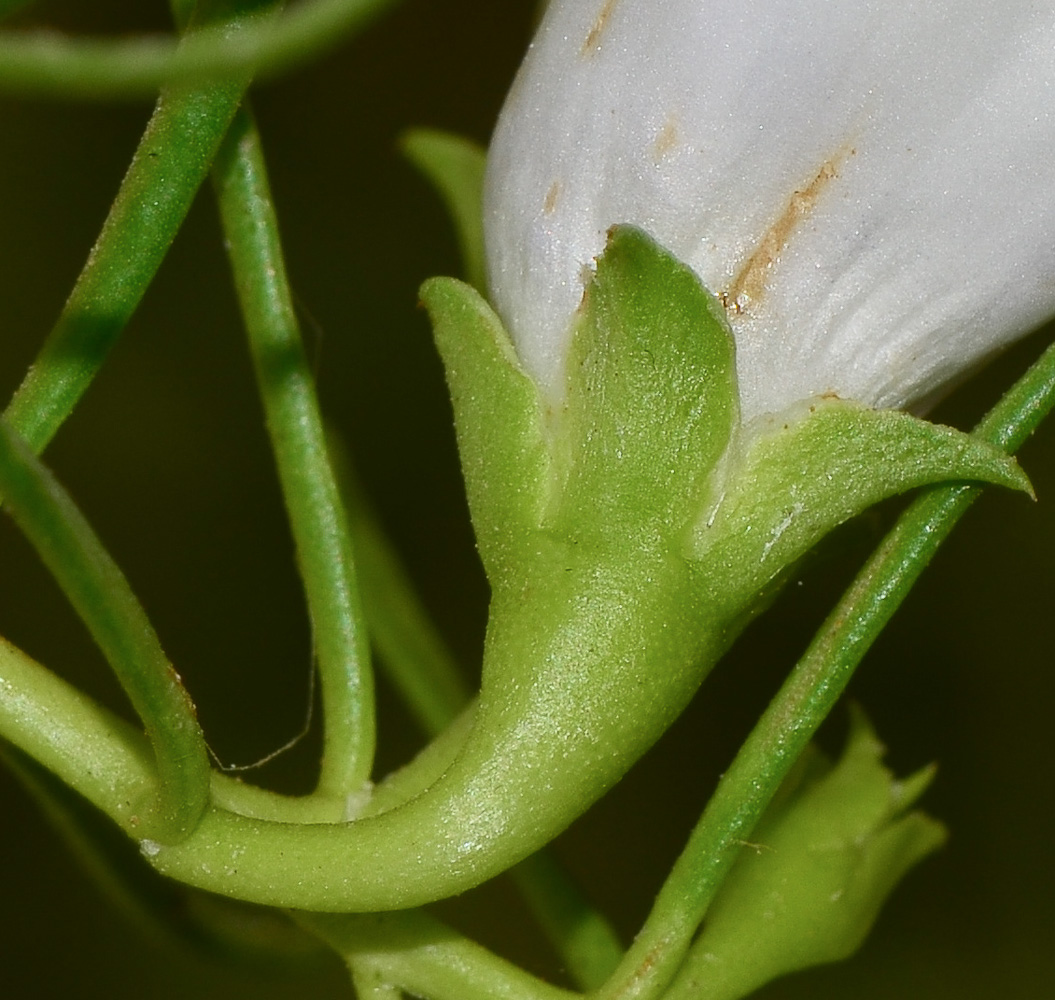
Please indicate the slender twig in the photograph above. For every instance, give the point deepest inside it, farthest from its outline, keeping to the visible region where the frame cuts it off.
(414, 655)
(104, 601)
(43, 62)
(169, 166)
(298, 439)
(580, 934)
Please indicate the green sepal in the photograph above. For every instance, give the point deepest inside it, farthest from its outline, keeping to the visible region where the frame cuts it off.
(796, 476)
(809, 886)
(455, 167)
(651, 396)
(498, 420)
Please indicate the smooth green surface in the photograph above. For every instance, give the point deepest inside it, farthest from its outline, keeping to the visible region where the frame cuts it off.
(103, 599)
(101, 756)
(316, 511)
(44, 62)
(170, 164)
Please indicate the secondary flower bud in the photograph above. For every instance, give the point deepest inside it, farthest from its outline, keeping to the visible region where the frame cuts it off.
(869, 188)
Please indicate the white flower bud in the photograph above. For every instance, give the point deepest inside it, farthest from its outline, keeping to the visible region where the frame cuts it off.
(869, 186)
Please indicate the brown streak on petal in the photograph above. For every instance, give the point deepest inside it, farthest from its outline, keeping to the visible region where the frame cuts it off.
(749, 285)
(666, 140)
(552, 196)
(593, 39)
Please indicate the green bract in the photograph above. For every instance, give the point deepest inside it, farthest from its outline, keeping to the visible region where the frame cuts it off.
(627, 536)
(825, 856)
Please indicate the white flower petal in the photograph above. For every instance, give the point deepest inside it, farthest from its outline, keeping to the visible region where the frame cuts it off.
(870, 185)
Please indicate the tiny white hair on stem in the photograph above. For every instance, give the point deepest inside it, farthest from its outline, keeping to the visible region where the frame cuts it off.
(868, 186)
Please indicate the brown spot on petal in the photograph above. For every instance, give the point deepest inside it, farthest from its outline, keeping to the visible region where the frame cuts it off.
(549, 205)
(749, 285)
(593, 39)
(666, 140)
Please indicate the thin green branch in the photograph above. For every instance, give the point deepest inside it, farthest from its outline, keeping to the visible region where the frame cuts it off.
(43, 62)
(104, 601)
(424, 957)
(169, 166)
(88, 747)
(807, 697)
(316, 512)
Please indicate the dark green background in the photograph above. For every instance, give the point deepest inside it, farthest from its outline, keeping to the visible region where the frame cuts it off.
(167, 456)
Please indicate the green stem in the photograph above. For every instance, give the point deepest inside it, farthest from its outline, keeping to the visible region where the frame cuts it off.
(46, 63)
(424, 957)
(88, 747)
(104, 601)
(298, 439)
(806, 699)
(169, 166)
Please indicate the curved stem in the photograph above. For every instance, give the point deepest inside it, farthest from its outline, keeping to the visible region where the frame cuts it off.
(46, 63)
(583, 636)
(88, 747)
(169, 165)
(298, 439)
(806, 699)
(105, 603)
(418, 662)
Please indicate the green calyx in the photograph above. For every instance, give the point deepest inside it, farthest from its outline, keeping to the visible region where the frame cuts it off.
(646, 447)
(628, 531)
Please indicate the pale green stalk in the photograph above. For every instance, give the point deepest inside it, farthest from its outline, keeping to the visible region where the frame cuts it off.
(317, 516)
(43, 62)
